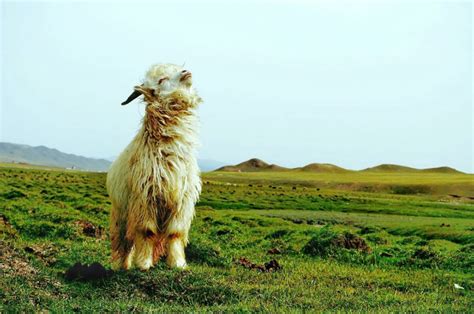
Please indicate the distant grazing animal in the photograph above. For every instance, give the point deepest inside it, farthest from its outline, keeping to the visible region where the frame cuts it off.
(155, 182)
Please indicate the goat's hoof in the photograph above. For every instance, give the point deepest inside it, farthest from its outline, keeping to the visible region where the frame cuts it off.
(182, 267)
(181, 264)
(145, 266)
(144, 269)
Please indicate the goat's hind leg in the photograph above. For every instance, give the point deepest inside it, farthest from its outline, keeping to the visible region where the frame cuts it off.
(122, 247)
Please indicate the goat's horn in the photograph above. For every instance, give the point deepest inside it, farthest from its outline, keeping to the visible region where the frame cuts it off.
(133, 96)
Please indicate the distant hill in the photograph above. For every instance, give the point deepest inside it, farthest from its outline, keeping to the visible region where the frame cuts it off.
(44, 156)
(252, 165)
(389, 168)
(398, 168)
(255, 164)
(442, 170)
(317, 167)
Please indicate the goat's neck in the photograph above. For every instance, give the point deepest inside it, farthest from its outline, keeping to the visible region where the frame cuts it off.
(159, 123)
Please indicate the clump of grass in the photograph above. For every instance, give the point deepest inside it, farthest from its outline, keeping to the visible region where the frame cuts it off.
(411, 189)
(202, 252)
(330, 243)
(463, 258)
(368, 229)
(279, 234)
(409, 240)
(377, 239)
(45, 229)
(13, 194)
(422, 257)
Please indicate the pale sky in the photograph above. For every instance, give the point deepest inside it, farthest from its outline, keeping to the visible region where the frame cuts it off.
(290, 82)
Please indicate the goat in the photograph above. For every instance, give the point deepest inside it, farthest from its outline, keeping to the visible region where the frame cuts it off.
(155, 182)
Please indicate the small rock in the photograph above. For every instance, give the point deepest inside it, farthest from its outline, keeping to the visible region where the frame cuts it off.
(274, 251)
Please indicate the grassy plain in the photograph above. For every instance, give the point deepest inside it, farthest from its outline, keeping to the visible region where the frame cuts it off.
(354, 242)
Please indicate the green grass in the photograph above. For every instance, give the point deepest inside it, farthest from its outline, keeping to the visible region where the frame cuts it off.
(415, 244)
(392, 182)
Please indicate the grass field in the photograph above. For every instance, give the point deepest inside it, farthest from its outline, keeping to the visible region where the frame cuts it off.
(356, 242)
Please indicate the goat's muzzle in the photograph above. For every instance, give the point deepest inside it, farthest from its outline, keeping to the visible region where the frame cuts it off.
(185, 75)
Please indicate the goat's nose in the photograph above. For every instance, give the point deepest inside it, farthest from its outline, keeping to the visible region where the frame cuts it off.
(185, 74)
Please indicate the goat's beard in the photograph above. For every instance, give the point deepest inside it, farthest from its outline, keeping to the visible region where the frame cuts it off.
(176, 100)
(168, 110)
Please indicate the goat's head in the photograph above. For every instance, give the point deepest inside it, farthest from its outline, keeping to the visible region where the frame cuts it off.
(166, 84)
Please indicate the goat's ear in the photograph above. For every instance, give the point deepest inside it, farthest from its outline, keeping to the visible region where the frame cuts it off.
(139, 90)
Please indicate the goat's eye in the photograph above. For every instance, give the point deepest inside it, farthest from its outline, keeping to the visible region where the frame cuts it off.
(161, 80)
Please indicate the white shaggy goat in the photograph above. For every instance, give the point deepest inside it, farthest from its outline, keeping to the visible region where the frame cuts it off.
(155, 183)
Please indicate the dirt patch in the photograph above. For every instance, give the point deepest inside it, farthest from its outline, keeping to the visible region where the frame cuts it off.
(45, 252)
(13, 264)
(6, 227)
(423, 253)
(296, 220)
(269, 267)
(223, 231)
(89, 229)
(315, 223)
(274, 250)
(351, 242)
(368, 230)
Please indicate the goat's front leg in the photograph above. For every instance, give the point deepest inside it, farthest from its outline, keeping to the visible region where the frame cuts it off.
(177, 240)
(175, 251)
(144, 243)
(143, 255)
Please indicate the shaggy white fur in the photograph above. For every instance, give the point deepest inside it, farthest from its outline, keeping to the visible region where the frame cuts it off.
(155, 182)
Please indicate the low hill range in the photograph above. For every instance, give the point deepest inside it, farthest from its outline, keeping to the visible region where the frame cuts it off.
(258, 165)
(50, 157)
